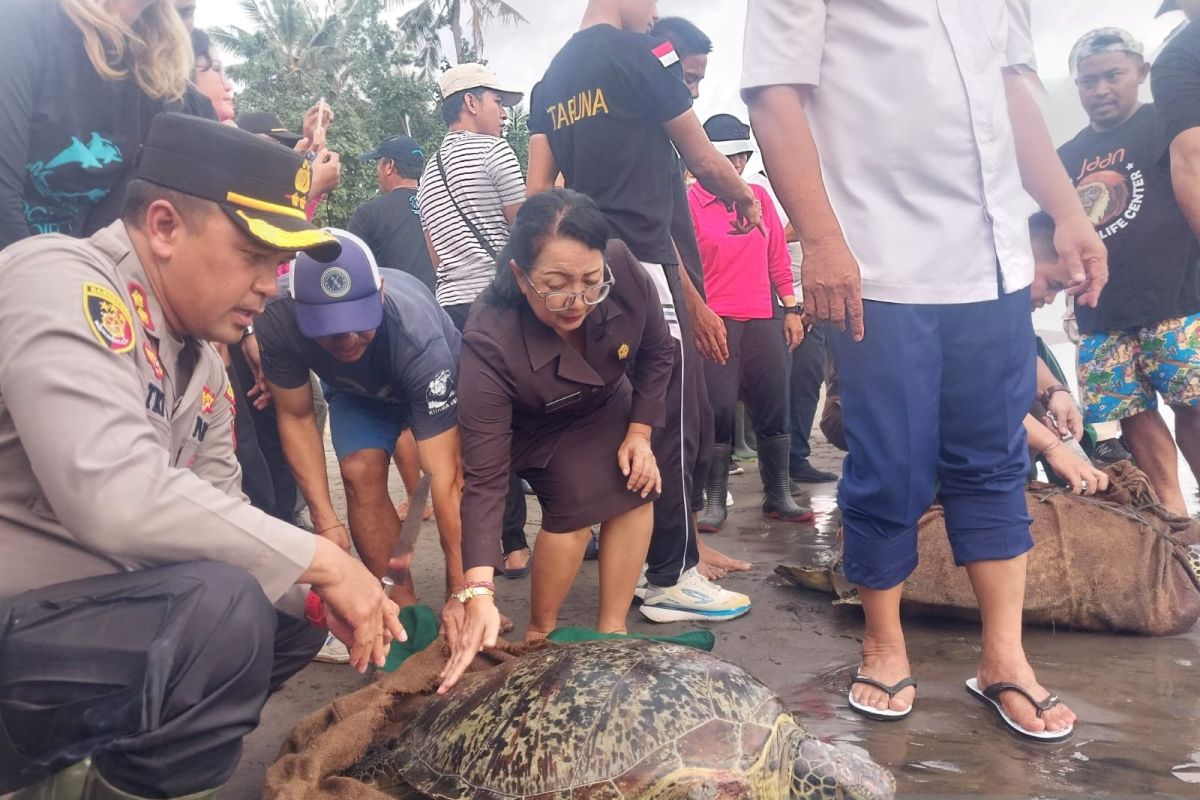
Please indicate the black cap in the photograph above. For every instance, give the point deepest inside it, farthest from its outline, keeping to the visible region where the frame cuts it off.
(262, 186)
(399, 148)
(1168, 5)
(265, 123)
(728, 134)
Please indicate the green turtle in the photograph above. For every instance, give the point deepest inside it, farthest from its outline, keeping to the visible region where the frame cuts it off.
(615, 719)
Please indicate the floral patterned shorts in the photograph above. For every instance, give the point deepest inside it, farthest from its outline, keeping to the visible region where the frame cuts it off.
(1121, 373)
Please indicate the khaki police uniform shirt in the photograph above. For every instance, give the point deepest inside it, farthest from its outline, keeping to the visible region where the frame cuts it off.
(116, 438)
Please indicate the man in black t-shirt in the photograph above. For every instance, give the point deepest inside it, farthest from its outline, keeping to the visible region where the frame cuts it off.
(1138, 342)
(391, 223)
(388, 356)
(606, 115)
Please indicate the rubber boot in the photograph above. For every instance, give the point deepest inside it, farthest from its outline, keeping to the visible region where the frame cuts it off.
(777, 482)
(96, 788)
(64, 785)
(743, 450)
(714, 491)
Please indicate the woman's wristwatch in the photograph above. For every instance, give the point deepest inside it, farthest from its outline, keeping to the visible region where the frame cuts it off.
(796, 309)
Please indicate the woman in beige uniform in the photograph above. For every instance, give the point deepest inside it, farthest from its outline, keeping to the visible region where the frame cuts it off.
(565, 363)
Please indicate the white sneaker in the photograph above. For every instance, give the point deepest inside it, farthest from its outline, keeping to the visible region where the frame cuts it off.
(333, 651)
(728, 499)
(694, 597)
(643, 586)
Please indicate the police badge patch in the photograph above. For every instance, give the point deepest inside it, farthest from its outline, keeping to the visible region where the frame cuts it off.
(153, 359)
(440, 395)
(207, 400)
(141, 306)
(108, 317)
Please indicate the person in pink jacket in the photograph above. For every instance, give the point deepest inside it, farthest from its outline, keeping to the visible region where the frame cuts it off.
(743, 274)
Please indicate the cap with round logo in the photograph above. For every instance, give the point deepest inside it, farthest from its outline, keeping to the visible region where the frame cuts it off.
(338, 296)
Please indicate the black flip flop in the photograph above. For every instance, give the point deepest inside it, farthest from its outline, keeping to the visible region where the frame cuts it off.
(880, 715)
(520, 572)
(990, 696)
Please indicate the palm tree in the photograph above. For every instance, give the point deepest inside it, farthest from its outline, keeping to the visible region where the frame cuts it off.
(296, 35)
(420, 27)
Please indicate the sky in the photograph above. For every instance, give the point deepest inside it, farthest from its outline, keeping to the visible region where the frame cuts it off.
(520, 54)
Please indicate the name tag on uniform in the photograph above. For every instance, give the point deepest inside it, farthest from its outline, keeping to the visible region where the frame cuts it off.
(561, 402)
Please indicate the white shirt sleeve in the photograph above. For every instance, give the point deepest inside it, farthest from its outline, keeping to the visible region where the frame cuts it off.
(1019, 51)
(784, 43)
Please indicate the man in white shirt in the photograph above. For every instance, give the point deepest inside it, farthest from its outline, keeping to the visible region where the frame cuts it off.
(898, 135)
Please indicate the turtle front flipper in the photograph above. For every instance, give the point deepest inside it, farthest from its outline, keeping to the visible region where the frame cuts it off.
(824, 770)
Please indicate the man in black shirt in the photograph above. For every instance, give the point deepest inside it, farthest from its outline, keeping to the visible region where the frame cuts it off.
(607, 114)
(1138, 342)
(391, 223)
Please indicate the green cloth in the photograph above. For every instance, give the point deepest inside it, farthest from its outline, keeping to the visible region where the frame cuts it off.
(701, 640)
(421, 624)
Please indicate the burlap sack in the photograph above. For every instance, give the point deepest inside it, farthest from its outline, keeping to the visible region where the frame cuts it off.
(1114, 563)
(333, 738)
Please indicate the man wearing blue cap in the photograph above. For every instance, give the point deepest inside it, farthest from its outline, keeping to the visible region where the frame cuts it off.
(388, 356)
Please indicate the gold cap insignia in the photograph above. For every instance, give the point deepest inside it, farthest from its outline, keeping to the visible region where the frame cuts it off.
(304, 177)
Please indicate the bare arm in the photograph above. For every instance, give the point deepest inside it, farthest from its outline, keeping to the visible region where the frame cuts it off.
(441, 459)
(711, 168)
(832, 283)
(306, 453)
(543, 169)
(1185, 175)
(433, 256)
(510, 212)
(1081, 253)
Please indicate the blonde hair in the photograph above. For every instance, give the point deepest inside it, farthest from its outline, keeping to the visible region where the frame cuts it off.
(156, 49)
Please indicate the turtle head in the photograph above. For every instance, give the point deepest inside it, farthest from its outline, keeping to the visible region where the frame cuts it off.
(837, 770)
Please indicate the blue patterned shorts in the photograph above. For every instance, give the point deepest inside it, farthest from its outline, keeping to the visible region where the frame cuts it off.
(1121, 373)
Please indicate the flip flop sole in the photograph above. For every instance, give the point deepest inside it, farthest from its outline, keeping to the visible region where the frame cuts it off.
(874, 713)
(1042, 737)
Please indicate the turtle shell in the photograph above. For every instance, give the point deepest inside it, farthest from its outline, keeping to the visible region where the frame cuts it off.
(598, 719)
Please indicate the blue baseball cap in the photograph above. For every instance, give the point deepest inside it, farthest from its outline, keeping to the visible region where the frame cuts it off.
(338, 296)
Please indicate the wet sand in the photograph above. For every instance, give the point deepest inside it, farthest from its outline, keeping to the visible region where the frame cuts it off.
(1138, 698)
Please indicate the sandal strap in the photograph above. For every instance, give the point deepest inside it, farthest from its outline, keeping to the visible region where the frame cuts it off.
(892, 690)
(994, 691)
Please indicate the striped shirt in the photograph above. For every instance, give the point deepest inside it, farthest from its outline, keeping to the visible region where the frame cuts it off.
(485, 176)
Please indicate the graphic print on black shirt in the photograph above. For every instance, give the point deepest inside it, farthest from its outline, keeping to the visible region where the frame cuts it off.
(1124, 183)
(67, 136)
(602, 105)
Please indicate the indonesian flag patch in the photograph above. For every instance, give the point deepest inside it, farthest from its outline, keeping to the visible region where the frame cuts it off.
(666, 55)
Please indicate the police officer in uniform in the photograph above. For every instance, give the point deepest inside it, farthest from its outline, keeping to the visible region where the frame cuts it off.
(146, 609)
